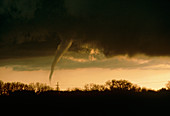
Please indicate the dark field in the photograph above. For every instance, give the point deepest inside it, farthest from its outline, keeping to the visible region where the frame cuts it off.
(86, 103)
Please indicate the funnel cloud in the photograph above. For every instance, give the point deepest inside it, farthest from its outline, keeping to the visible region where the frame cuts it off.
(32, 28)
(62, 48)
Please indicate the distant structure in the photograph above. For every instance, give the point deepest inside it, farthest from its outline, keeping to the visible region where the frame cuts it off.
(57, 87)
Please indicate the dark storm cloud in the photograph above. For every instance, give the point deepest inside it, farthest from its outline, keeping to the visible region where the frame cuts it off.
(35, 27)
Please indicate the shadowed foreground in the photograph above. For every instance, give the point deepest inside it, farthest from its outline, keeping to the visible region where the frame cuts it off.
(119, 97)
(87, 102)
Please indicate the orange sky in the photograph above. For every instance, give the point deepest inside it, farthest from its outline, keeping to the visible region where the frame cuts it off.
(154, 79)
(111, 40)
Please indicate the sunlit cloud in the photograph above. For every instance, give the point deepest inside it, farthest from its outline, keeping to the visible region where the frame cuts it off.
(75, 59)
(158, 67)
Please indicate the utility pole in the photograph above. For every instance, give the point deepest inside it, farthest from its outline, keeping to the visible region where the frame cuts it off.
(57, 87)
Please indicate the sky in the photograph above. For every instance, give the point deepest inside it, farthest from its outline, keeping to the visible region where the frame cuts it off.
(83, 41)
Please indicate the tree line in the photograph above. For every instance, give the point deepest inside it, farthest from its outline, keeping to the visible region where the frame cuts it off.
(7, 88)
(118, 85)
(111, 85)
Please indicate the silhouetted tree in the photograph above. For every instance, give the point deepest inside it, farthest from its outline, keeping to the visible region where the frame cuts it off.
(94, 87)
(31, 87)
(1, 87)
(162, 90)
(136, 88)
(120, 85)
(42, 87)
(168, 85)
(8, 88)
(144, 89)
(17, 86)
(76, 89)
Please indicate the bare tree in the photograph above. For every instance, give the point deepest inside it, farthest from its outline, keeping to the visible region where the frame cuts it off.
(119, 85)
(1, 87)
(94, 87)
(168, 85)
